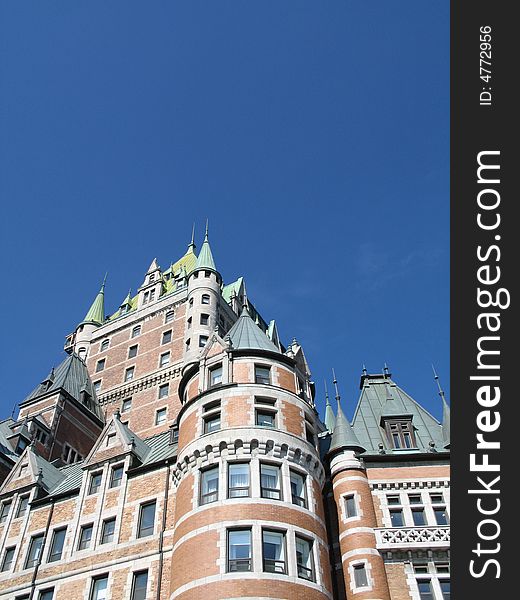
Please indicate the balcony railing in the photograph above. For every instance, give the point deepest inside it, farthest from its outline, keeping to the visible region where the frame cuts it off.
(413, 537)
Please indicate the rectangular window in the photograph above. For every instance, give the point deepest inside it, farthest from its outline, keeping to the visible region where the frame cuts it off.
(203, 340)
(205, 299)
(273, 546)
(136, 331)
(160, 416)
(396, 517)
(58, 540)
(95, 483)
(415, 499)
(238, 480)
(360, 576)
(169, 316)
(85, 536)
(298, 489)
(419, 518)
(437, 498)
(212, 423)
(209, 485)
(104, 345)
(350, 506)
(98, 590)
(445, 589)
(265, 418)
(204, 319)
(100, 365)
(129, 374)
(107, 534)
(270, 482)
(146, 519)
(393, 500)
(239, 550)
(164, 390)
(126, 405)
(215, 376)
(304, 559)
(97, 386)
(116, 476)
(441, 516)
(132, 351)
(35, 550)
(46, 594)
(167, 337)
(139, 585)
(425, 589)
(309, 435)
(262, 375)
(7, 561)
(23, 503)
(4, 512)
(165, 359)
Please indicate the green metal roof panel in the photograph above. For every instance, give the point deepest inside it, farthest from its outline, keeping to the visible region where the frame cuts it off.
(5, 432)
(371, 406)
(205, 259)
(245, 334)
(96, 313)
(343, 435)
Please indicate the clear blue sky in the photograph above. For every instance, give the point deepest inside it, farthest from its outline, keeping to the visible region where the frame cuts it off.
(313, 135)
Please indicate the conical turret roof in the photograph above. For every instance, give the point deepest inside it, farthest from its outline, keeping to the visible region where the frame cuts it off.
(343, 436)
(245, 334)
(96, 313)
(205, 258)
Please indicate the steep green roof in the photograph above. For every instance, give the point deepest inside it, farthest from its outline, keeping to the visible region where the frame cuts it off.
(343, 436)
(330, 419)
(231, 289)
(96, 313)
(374, 403)
(72, 376)
(205, 259)
(245, 334)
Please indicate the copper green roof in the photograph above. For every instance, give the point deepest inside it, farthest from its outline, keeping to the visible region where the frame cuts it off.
(330, 419)
(96, 313)
(245, 334)
(374, 403)
(343, 436)
(232, 289)
(205, 259)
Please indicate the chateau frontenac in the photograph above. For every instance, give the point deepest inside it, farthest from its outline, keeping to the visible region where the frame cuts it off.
(177, 453)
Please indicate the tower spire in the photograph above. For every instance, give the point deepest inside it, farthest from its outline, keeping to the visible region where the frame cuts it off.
(329, 413)
(343, 436)
(191, 245)
(96, 312)
(205, 259)
(445, 412)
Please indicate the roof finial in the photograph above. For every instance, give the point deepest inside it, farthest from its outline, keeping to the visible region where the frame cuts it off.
(330, 418)
(191, 245)
(445, 412)
(327, 401)
(386, 371)
(104, 280)
(436, 377)
(335, 382)
(364, 370)
(207, 227)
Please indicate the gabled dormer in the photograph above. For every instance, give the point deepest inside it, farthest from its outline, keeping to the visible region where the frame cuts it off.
(151, 288)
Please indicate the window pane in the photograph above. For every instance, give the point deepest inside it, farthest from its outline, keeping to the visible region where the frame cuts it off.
(35, 549)
(445, 589)
(163, 390)
(6, 507)
(99, 589)
(46, 595)
(298, 489)
(418, 517)
(209, 486)
(95, 483)
(216, 376)
(85, 537)
(109, 528)
(304, 558)
(147, 520)
(270, 481)
(415, 499)
(262, 375)
(22, 506)
(273, 551)
(132, 351)
(238, 480)
(140, 585)
(350, 506)
(212, 423)
(116, 477)
(239, 550)
(360, 576)
(8, 559)
(425, 589)
(441, 516)
(265, 419)
(58, 539)
(396, 517)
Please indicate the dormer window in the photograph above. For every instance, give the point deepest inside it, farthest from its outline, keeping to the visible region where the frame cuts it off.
(400, 433)
(24, 470)
(152, 295)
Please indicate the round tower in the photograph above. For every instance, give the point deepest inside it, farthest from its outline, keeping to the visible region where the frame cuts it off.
(363, 566)
(248, 479)
(204, 284)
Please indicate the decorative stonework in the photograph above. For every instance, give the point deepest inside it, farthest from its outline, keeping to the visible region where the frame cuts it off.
(415, 537)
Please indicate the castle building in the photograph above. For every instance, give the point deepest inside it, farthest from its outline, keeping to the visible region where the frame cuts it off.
(177, 453)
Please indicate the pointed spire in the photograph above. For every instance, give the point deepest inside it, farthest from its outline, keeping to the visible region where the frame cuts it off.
(445, 412)
(205, 259)
(330, 418)
(191, 245)
(153, 266)
(96, 313)
(343, 436)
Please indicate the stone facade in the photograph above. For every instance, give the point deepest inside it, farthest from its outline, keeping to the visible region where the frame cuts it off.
(177, 454)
